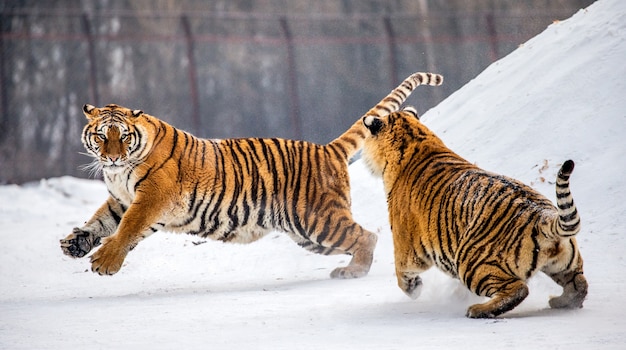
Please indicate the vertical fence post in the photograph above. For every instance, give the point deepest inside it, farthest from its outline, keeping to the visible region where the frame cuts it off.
(493, 37)
(91, 54)
(293, 80)
(193, 77)
(391, 44)
(4, 100)
(429, 49)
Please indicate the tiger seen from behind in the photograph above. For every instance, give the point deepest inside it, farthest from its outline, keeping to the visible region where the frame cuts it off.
(232, 190)
(490, 231)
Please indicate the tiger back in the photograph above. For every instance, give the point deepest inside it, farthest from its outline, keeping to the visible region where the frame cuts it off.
(490, 231)
(232, 190)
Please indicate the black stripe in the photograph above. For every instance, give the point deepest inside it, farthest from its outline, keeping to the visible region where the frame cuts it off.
(573, 215)
(181, 157)
(561, 195)
(117, 218)
(533, 265)
(203, 153)
(271, 168)
(400, 93)
(156, 144)
(236, 167)
(217, 196)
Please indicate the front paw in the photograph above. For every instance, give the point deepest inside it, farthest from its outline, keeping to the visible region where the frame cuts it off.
(79, 243)
(411, 285)
(108, 260)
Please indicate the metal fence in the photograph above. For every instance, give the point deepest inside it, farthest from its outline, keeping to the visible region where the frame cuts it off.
(226, 74)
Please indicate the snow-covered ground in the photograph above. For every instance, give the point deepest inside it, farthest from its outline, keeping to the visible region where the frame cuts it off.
(561, 95)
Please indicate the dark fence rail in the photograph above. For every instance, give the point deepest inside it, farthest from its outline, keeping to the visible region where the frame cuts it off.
(230, 74)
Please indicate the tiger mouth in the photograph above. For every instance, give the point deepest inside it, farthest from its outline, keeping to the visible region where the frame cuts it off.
(115, 165)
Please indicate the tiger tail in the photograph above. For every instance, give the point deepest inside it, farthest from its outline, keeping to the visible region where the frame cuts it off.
(351, 141)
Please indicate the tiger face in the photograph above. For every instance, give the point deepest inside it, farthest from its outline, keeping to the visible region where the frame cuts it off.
(111, 136)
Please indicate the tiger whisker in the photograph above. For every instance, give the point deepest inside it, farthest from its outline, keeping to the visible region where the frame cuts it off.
(94, 169)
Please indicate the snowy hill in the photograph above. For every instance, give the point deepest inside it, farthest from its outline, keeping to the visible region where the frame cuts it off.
(561, 95)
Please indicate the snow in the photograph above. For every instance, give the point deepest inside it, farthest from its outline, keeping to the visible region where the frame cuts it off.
(560, 95)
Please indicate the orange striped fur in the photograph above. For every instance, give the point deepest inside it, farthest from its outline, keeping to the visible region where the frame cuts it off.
(233, 190)
(490, 231)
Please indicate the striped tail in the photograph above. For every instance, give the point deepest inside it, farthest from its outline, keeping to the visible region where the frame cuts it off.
(352, 140)
(568, 223)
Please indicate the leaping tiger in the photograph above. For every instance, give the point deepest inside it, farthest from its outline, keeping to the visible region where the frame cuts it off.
(233, 190)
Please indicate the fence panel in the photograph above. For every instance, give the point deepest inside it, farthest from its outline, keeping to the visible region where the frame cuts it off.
(225, 75)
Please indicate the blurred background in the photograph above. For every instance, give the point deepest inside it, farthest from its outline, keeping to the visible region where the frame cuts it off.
(297, 69)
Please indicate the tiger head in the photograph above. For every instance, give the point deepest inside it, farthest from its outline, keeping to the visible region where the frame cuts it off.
(393, 141)
(113, 136)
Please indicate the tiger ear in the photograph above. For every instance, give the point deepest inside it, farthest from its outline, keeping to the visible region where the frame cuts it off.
(411, 110)
(137, 112)
(90, 111)
(373, 124)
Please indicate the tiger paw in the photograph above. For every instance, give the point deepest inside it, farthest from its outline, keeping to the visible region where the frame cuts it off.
(411, 285)
(349, 272)
(79, 243)
(573, 295)
(108, 259)
(480, 311)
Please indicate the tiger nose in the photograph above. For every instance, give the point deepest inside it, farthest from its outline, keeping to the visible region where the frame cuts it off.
(114, 158)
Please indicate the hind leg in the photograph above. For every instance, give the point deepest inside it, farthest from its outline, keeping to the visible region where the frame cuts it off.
(574, 290)
(347, 237)
(571, 279)
(507, 298)
(505, 291)
(361, 247)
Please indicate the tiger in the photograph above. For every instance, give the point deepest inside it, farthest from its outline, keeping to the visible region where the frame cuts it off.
(489, 231)
(232, 190)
